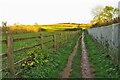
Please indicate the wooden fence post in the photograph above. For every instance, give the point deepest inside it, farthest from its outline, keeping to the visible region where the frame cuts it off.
(54, 40)
(41, 40)
(10, 59)
(66, 38)
(70, 35)
(60, 39)
(74, 33)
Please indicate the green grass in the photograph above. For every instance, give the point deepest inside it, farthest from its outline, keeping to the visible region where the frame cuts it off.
(30, 42)
(76, 70)
(26, 43)
(22, 44)
(101, 63)
(56, 63)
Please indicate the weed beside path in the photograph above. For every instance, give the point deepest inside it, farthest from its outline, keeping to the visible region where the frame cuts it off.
(101, 63)
(56, 63)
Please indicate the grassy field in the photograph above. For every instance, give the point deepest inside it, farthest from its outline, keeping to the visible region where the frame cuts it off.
(34, 30)
(25, 43)
(24, 31)
(101, 63)
(22, 44)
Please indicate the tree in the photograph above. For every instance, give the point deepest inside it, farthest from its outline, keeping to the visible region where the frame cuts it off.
(104, 14)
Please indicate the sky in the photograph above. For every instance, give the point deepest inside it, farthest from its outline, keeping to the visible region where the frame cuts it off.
(50, 11)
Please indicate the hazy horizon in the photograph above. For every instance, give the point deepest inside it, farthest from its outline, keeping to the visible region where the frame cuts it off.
(50, 11)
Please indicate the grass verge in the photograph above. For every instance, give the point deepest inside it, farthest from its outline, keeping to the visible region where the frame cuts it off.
(102, 64)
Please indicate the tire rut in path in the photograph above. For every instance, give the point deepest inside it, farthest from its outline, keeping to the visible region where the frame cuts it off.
(66, 72)
(85, 64)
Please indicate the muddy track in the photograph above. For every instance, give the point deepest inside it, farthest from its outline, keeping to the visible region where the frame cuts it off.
(85, 64)
(86, 70)
(66, 72)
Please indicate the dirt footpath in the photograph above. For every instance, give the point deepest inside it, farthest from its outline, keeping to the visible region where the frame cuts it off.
(85, 64)
(66, 72)
(86, 70)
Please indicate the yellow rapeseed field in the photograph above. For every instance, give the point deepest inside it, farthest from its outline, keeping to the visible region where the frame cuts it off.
(24, 28)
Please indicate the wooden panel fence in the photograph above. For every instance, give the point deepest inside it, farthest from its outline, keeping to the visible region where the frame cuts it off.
(63, 36)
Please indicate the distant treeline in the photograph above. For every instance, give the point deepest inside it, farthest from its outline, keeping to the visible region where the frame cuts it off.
(73, 29)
